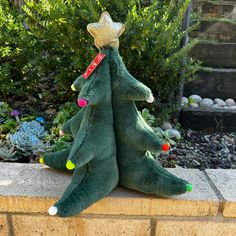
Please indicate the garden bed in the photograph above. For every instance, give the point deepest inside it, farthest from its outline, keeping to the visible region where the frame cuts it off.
(203, 150)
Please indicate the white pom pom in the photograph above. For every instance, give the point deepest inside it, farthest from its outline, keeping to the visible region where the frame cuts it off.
(61, 133)
(52, 210)
(150, 99)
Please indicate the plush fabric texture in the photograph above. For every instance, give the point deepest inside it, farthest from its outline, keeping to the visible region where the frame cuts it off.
(94, 147)
(134, 137)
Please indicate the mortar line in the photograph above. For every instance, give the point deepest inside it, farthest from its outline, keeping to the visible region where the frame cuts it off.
(218, 218)
(10, 225)
(217, 193)
(153, 223)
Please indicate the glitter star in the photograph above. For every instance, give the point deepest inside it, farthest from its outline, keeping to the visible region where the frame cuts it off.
(106, 32)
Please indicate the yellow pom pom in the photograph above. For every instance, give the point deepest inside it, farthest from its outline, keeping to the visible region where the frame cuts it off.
(73, 87)
(70, 165)
(41, 160)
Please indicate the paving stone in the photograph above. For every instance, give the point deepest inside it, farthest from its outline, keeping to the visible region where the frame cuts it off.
(32, 188)
(54, 226)
(31, 180)
(225, 182)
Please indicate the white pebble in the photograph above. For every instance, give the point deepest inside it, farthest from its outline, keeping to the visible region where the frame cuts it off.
(206, 102)
(219, 102)
(52, 211)
(230, 102)
(217, 106)
(193, 105)
(232, 107)
(184, 101)
(173, 133)
(195, 99)
(166, 125)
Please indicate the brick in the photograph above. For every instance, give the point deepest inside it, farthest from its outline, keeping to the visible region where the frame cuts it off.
(3, 225)
(36, 193)
(225, 182)
(54, 226)
(229, 209)
(25, 204)
(197, 228)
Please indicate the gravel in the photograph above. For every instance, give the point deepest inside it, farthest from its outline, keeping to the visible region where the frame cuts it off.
(202, 150)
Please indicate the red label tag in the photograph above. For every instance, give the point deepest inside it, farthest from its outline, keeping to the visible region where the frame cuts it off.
(93, 65)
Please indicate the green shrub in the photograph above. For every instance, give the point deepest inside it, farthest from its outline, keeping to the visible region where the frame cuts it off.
(59, 47)
(16, 74)
(154, 36)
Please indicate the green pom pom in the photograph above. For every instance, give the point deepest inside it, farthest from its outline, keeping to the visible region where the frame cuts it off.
(70, 165)
(73, 87)
(189, 187)
(41, 160)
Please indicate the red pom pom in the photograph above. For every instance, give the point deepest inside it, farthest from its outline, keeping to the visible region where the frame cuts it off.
(165, 147)
(82, 102)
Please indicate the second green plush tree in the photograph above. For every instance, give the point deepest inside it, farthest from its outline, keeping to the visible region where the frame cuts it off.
(136, 141)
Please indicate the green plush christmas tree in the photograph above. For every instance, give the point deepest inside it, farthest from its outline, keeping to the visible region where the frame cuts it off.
(93, 151)
(92, 155)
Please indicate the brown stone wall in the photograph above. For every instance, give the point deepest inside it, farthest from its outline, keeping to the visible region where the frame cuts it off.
(216, 49)
(218, 26)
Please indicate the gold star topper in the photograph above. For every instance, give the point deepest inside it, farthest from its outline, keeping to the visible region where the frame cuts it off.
(106, 32)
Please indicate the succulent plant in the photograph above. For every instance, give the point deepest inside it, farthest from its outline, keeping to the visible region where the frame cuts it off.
(26, 141)
(7, 152)
(148, 117)
(34, 128)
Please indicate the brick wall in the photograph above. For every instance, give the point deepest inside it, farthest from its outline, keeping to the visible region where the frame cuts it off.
(28, 190)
